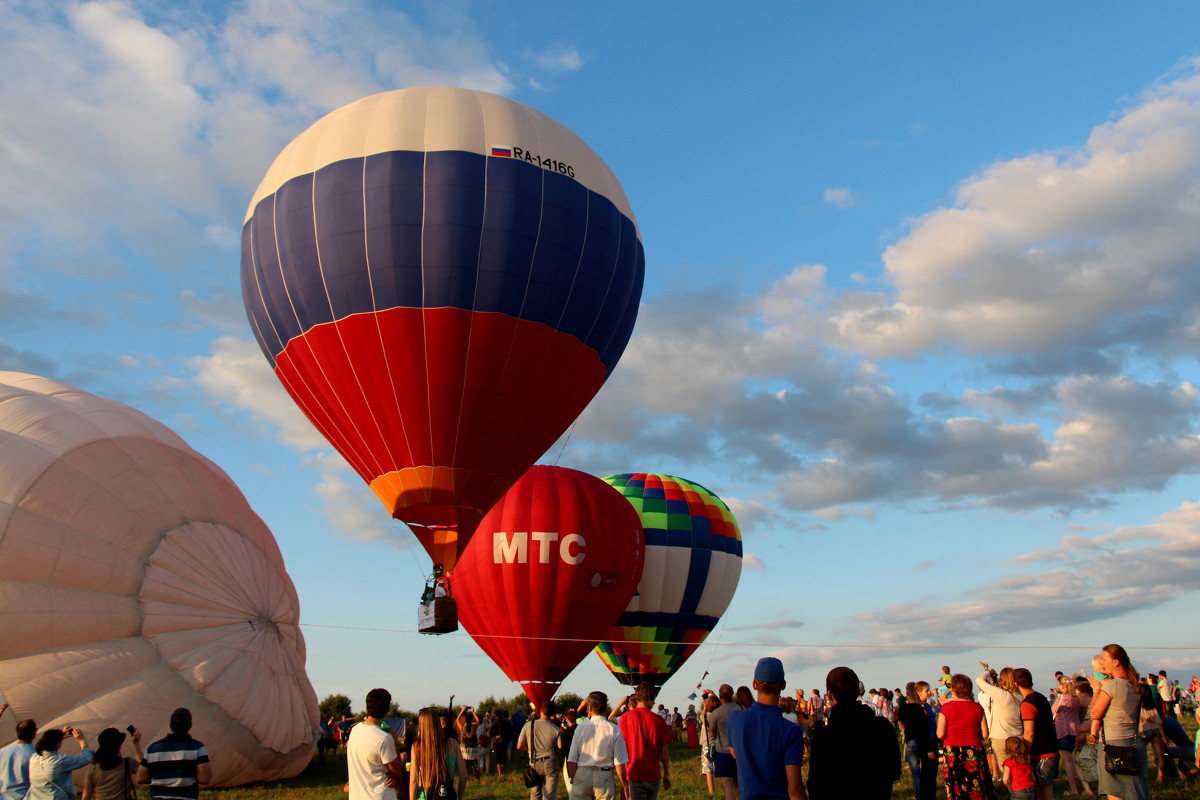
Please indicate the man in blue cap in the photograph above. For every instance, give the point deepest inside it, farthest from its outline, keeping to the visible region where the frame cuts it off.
(769, 749)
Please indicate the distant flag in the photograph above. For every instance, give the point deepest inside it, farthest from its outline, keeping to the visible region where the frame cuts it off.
(692, 696)
(503, 152)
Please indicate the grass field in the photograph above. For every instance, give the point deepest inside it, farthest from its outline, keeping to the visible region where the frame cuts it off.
(325, 783)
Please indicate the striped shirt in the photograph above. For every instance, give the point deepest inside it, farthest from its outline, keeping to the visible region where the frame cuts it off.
(172, 763)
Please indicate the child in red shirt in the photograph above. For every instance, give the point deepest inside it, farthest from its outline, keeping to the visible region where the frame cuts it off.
(1018, 774)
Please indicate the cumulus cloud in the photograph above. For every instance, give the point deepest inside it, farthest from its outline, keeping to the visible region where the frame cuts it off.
(237, 374)
(817, 430)
(1063, 252)
(135, 135)
(1082, 579)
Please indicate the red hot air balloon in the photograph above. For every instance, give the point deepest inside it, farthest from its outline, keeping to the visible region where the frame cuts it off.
(442, 279)
(549, 571)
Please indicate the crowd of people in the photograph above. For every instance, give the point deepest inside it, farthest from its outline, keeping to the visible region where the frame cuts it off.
(172, 768)
(994, 735)
(991, 736)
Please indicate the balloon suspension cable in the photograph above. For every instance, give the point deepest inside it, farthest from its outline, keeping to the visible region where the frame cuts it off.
(787, 645)
(411, 552)
(570, 430)
(716, 644)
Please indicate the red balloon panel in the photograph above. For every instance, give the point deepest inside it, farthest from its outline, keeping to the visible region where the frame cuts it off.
(548, 573)
(437, 409)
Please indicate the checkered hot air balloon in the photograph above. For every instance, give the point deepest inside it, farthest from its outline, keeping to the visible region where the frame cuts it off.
(442, 279)
(693, 562)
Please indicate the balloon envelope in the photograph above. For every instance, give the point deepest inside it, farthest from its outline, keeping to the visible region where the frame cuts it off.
(693, 562)
(134, 579)
(441, 279)
(550, 569)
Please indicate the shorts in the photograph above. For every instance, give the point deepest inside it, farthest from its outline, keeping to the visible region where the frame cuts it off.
(1045, 770)
(1066, 744)
(724, 766)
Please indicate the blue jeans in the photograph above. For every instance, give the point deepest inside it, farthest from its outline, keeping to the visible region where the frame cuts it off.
(923, 769)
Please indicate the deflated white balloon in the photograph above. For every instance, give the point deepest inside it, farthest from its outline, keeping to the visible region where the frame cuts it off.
(134, 579)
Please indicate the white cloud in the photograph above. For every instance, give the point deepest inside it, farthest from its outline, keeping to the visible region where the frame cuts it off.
(1084, 247)
(237, 373)
(828, 431)
(751, 561)
(840, 197)
(1083, 579)
(559, 58)
(120, 129)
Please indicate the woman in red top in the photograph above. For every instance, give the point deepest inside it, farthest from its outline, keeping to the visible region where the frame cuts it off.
(963, 729)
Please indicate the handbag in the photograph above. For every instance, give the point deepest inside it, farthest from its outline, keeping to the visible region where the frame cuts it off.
(533, 777)
(1120, 760)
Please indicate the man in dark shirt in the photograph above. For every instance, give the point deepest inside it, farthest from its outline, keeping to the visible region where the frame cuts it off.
(1037, 719)
(176, 766)
(854, 755)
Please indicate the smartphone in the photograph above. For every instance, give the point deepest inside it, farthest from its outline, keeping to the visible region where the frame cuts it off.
(130, 729)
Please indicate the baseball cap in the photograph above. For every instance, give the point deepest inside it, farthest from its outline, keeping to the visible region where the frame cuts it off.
(768, 670)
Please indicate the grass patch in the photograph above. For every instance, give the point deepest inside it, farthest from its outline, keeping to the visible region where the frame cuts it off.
(325, 782)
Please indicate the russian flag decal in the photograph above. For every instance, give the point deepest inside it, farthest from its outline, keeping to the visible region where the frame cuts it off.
(503, 152)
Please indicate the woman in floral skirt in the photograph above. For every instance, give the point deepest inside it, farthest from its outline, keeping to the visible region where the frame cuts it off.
(963, 729)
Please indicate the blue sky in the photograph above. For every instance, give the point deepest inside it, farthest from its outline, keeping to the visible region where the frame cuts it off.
(920, 301)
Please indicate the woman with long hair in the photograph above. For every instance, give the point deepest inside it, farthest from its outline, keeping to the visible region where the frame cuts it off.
(1066, 727)
(468, 737)
(743, 697)
(919, 749)
(963, 730)
(50, 771)
(1085, 754)
(1004, 711)
(1116, 708)
(1150, 726)
(709, 705)
(111, 776)
(437, 763)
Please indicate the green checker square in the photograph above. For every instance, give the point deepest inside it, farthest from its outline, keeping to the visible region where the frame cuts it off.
(655, 504)
(655, 520)
(679, 522)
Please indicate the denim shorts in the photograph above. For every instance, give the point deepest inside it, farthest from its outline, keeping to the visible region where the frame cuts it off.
(1066, 743)
(724, 766)
(1045, 770)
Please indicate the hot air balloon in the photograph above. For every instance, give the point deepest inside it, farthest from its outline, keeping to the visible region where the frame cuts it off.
(549, 570)
(693, 562)
(135, 579)
(441, 279)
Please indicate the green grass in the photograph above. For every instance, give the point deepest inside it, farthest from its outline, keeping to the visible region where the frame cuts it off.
(325, 783)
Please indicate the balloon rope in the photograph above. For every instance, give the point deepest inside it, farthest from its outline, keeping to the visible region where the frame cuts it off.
(775, 645)
(570, 430)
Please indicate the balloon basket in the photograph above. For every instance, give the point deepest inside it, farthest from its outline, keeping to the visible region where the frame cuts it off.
(439, 615)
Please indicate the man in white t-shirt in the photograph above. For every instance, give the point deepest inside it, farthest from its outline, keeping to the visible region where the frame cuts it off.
(371, 759)
(597, 751)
